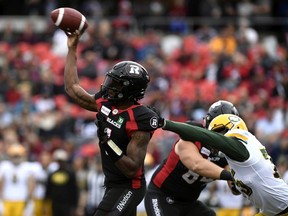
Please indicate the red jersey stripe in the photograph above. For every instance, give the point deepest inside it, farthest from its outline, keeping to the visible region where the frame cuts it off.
(169, 166)
(136, 182)
(131, 125)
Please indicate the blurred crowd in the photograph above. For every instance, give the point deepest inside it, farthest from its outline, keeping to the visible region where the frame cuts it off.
(189, 69)
(140, 8)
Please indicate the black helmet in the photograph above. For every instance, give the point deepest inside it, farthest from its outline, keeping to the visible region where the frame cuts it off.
(218, 108)
(126, 80)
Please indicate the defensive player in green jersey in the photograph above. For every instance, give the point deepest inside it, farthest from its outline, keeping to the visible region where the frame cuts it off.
(256, 177)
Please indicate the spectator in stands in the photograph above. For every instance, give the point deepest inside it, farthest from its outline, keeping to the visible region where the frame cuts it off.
(225, 43)
(6, 116)
(280, 148)
(90, 68)
(26, 103)
(269, 127)
(8, 34)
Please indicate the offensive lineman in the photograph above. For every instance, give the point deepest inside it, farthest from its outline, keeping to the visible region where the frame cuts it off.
(179, 180)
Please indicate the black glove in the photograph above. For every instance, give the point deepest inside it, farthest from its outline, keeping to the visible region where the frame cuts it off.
(161, 121)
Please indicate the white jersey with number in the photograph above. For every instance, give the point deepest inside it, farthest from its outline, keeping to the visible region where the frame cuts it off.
(15, 180)
(40, 176)
(257, 178)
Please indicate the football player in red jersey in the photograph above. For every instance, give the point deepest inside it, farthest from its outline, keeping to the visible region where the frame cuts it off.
(124, 129)
(179, 180)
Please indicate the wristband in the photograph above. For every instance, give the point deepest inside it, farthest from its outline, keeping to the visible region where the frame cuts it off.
(114, 152)
(226, 175)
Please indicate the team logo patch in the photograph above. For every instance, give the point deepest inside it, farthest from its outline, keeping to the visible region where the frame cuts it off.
(169, 200)
(59, 178)
(105, 110)
(107, 131)
(154, 122)
(111, 121)
(205, 151)
(120, 120)
(234, 118)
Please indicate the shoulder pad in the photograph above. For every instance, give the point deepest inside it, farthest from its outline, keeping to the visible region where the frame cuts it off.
(145, 118)
(239, 134)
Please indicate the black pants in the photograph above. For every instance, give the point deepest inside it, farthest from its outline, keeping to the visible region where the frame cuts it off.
(159, 204)
(120, 202)
(89, 210)
(61, 209)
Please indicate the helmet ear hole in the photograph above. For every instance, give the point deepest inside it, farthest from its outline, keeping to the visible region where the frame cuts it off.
(120, 95)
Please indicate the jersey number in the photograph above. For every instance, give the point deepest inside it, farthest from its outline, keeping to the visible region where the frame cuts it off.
(190, 177)
(246, 189)
(276, 173)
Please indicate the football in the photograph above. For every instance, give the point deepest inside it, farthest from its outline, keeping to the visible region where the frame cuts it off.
(69, 20)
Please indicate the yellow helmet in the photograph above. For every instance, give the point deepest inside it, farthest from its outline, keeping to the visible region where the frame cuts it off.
(226, 122)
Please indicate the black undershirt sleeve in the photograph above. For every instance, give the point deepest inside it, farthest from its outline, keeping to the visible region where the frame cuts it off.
(230, 146)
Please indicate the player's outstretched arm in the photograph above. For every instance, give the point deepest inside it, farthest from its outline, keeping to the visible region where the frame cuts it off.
(192, 159)
(71, 80)
(228, 145)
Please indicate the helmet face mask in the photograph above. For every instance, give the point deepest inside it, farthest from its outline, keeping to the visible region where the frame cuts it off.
(126, 81)
(112, 88)
(226, 122)
(218, 108)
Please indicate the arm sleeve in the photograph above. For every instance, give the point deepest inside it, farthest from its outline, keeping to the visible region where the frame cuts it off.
(230, 146)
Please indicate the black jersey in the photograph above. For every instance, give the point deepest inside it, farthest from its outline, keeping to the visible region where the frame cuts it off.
(118, 125)
(177, 181)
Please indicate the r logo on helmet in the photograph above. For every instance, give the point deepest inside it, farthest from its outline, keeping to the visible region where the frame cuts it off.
(134, 70)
